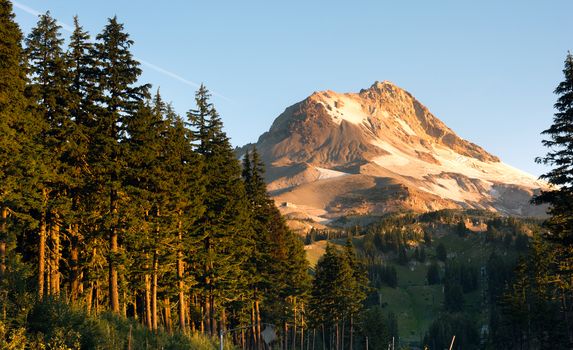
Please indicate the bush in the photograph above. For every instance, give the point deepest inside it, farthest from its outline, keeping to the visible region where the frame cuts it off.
(54, 324)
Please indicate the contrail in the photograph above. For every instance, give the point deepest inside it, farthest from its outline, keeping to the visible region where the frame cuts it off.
(70, 29)
(31, 11)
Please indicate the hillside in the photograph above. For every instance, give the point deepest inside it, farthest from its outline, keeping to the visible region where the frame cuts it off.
(411, 297)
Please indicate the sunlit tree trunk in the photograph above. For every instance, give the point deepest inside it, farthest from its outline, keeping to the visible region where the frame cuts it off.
(42, 246)
(114, 250)
(74, 263)
(294, 324)
(154, 292)
(55, 255)
(167, 308)
(3, 239)
(180, 274)
(148, 320)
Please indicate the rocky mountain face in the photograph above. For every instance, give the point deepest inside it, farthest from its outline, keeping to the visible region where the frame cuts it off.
(379, 151)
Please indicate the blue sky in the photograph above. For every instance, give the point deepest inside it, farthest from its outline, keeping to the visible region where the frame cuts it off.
(485, 68)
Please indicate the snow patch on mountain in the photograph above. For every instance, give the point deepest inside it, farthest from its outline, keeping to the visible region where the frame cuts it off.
(329, 173)
(341, 108)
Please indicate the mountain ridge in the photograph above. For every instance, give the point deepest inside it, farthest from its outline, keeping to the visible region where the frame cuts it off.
(389, 153)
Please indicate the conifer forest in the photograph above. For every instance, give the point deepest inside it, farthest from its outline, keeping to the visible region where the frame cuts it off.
(125, 225)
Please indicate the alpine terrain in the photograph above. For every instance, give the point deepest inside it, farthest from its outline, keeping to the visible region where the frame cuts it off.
(380, 150)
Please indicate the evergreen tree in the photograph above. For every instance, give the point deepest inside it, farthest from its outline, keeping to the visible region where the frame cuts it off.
(81, 65)
(333, 292)
(560, 142)
(119, 97)
(185, 205)
(146, 184)
(278, 258)
(433, 273)
(560, 196)
(453, 296)
(446, 326)
(224, 234)
(374, 325)
(359, 286)
(15, 147)
(49, 88)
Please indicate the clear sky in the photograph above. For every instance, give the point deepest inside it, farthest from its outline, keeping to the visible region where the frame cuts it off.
(486, 68)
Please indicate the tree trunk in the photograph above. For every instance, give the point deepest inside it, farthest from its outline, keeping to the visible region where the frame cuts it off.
(258, 323)
(89, 298)
(42, 248)
(154, 292)
(302, 328)
(180, 274)
(190, 321)
(243, 339)
(124, 303)
(167, 306)
(313, 337)
(89, 295)
(3, 239)
(207, 315)
(223, 323)
(337, 339)
(148, 321)
(285, 332)
(113, 283)
(214, 324)
(294, 325)
(254, 325)
(135, 308)
(48, 272)
(342, 333)
(323, 338)
(351, 332)
(55, 256)
(96, 296)
(74, 263)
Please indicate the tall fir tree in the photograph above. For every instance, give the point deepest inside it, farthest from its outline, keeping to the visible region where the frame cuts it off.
(560, 143)
(529, 312)
(281, 277)
(187, 190)
(145, 185)
(15, 148)
(560, 196)
(119, 97)
(49, 88)
(224, 233)
(81, 66)
(332, 294)
(359, 287)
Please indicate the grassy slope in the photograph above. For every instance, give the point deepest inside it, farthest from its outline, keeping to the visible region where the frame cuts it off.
(415, 303)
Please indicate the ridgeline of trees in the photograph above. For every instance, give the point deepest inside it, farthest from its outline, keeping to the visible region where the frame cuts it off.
(115, 208)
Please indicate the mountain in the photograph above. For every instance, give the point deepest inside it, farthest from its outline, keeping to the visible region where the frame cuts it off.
(378, 151)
